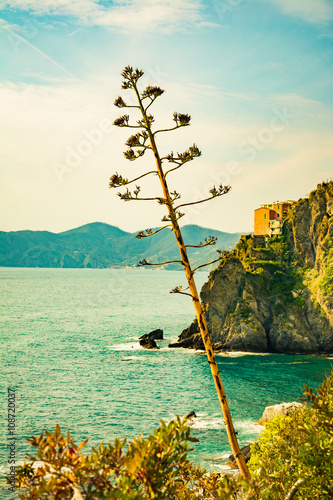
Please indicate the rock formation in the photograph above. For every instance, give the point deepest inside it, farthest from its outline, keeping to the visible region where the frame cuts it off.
(246, 452)
(154, 335)
(148, 343)
(190, 415)
(275, 294)
(148, 339)
(281, 409)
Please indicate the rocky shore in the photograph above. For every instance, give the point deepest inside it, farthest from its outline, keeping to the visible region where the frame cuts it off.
(275, 294)
(282, 409)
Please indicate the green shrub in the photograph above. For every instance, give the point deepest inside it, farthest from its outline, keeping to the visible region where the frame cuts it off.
(242, 311)
(280, 247)
(156, 467)
(292, 449)
(326, 281)
(261, 250)
(298, 447)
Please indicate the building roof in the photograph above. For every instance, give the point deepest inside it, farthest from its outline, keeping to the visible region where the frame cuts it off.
(269, 205)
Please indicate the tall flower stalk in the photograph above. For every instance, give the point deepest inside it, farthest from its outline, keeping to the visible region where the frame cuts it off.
(138, 144)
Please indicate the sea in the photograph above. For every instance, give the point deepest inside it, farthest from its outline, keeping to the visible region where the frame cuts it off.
(70, 351)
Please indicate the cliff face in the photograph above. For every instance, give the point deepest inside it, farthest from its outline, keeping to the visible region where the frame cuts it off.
(275, 294)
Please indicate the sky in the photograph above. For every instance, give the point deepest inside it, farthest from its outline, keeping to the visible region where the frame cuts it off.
(255, 76)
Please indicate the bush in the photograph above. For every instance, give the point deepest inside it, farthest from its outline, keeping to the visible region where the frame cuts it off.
(280, 247)
(298, 447)
(293, 450)
(153, 468)
(326, 281)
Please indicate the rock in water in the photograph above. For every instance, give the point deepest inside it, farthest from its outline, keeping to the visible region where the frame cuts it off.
(190, 415)
(282, 409)
(246, 452)
(148, 343)
(269, 413)
(154, 335)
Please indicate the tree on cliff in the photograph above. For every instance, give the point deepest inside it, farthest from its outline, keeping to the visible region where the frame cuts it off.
(145, 140)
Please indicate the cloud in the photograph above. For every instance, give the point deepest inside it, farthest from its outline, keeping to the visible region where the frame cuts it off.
(125, 15)
(47, 117)
(43, 124)
(24, 40)
(77, 8)
(311, 11)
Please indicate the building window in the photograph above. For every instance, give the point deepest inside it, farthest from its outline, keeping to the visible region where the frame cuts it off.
(270, 206)
(264, 216)
(278, 215)
(278, 207)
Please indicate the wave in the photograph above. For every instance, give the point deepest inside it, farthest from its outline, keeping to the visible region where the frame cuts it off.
(245, 427)
(132, 346)
(243, 353)
(203, 422)
(248, 426)
(217, 467)
(126, 347)
(217, 463)
(130, 358)
(234, 353)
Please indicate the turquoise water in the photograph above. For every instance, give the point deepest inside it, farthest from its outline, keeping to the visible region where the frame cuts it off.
(70, 348)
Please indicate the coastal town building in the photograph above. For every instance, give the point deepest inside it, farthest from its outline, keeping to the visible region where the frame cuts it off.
(268, 219)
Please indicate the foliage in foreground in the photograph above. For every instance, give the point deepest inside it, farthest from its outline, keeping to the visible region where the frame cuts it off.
(156, 467)
(298, 448)
(293, 450)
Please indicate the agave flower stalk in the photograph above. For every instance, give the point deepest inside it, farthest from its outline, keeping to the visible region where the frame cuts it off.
(138, 145)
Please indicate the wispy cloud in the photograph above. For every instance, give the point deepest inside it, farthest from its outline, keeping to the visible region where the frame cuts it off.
(125, 15)
(325, 35)
(33, 142)
(311, 11)
(77, 8)
(39, 51)
(294, 101)
(74, 32)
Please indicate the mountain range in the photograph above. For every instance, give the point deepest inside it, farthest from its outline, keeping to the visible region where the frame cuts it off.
(100, 245)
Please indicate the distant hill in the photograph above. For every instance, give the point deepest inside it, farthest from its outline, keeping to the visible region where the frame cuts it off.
(100, 245)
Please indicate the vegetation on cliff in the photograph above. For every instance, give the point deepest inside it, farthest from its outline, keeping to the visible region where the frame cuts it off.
(298, 450)
(275, 294)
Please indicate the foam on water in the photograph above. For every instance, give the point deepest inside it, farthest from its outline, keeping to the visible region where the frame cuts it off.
(130, 358)
(203, 421)
(242, 353)
(245, 427)
(125, 347)
(218, 467)
(248, 426)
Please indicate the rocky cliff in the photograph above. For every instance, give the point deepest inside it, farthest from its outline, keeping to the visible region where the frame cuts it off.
(275, 294)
